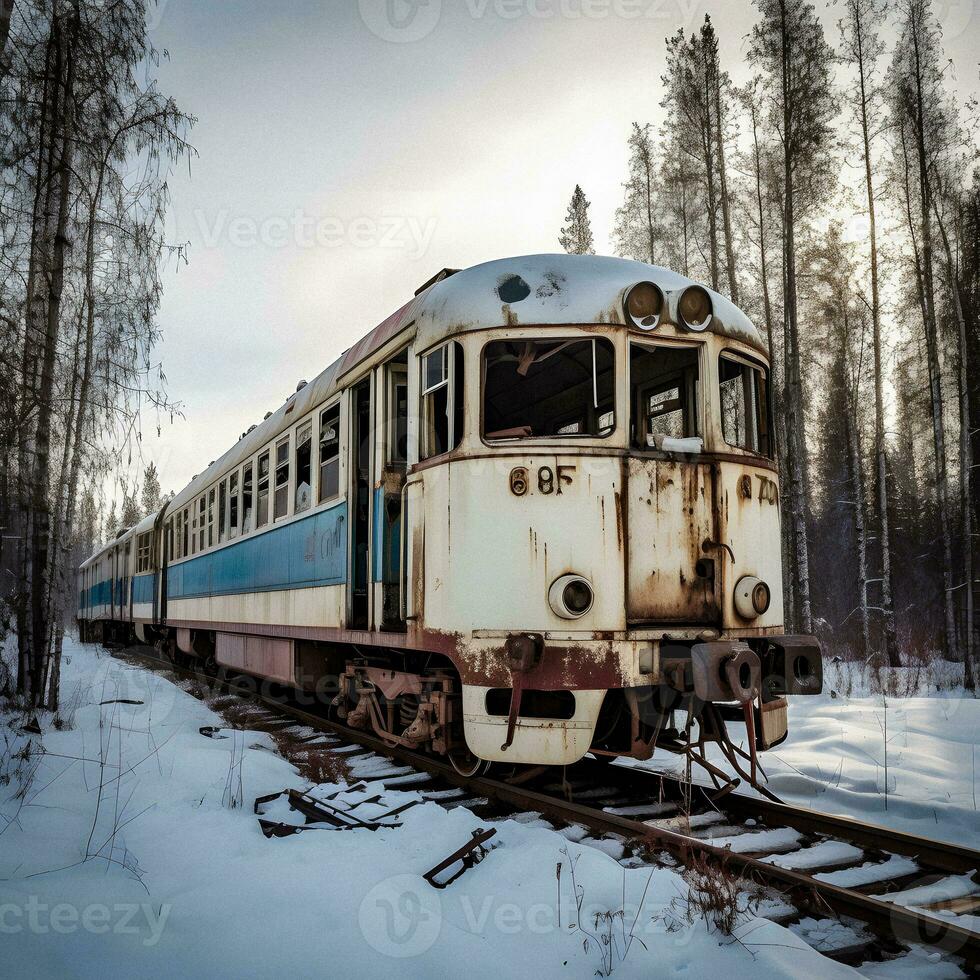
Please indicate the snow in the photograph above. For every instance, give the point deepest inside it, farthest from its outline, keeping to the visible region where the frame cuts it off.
(897, 866)
(826, 854)
(835, 755)
(180, 883)
(561, 289)
(779, 839)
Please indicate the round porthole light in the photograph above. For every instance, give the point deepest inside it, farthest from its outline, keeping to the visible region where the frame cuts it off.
(571, 596)
(752, 597)
(695, 308)
(644, 305)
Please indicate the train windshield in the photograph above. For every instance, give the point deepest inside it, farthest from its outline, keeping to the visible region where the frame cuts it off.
(535, 388)
(744, 408)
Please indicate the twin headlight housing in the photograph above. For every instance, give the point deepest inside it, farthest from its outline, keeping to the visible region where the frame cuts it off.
(646, 306)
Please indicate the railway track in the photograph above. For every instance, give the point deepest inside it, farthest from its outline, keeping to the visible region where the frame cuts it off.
(808, 864)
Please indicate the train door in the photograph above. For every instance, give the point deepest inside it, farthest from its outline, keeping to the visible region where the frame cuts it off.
(671, 577)
(165, 557)
(358, 599)
(392, 452)
(129, 565)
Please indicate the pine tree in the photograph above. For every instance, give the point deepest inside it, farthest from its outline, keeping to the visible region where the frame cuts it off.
(636, 231)
(150, 498)
(130, 516)
(576, 235)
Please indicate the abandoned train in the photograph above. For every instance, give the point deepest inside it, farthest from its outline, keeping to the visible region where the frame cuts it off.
(532, 514)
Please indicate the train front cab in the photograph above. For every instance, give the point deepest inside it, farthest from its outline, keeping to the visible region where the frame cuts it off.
(597, 545)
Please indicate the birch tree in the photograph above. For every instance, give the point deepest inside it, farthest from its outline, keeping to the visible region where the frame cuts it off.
(636, 231)
(862, 48)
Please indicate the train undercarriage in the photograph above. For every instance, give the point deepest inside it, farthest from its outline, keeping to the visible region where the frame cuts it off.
(415, 700)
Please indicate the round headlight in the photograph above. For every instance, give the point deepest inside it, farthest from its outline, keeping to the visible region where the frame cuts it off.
(571, 596)
(695, 308)
(752, 597)
(644, 305)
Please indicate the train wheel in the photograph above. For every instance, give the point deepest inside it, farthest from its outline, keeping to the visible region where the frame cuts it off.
(467, 764)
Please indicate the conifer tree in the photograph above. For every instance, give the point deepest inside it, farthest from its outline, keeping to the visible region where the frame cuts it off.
(576, 235)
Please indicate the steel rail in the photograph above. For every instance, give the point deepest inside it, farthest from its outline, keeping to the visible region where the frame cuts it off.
(892, 922)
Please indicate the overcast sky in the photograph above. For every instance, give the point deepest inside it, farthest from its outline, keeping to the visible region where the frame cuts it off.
(349, 149)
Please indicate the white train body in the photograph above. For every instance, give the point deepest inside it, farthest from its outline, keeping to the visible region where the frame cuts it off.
(517, 483)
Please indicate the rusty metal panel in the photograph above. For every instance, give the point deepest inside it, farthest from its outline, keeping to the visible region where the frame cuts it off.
(230, 650)
(269, 657)
(670, 516)
(375, 340)
(749, 525)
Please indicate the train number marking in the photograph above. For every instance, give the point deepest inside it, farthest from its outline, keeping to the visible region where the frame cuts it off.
(768, 491)
(550, 480)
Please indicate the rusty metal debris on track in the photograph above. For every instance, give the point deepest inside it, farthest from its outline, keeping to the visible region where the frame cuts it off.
(325, 814)
(470, 854)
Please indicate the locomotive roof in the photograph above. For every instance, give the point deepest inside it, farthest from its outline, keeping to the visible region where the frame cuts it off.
(542, 289)
(555, 289)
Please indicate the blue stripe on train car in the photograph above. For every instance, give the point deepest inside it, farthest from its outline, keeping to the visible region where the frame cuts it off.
(144, 587)
(299, 555)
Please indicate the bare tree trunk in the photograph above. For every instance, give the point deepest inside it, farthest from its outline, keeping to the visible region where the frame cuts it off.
(860, 532)
(725, 202)
(794, 385)
(966, 458)
(6, 11)
(881, 459)
(932, 353)
(40, 498)
(707, 139)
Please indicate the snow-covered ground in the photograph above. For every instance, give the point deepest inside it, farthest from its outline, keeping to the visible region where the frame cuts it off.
(847, 745)
(125, 854)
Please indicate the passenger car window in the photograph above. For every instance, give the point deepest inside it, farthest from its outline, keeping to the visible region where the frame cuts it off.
(304, 468)
(535, 388)
(262, 507)
(233, 505)
(744, 404)
(247, 499)
(664, 394)
(329, 453)
(442, 400)
(282, 479)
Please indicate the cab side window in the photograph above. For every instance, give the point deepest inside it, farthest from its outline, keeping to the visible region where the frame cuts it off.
(442, 400)
(744, 404)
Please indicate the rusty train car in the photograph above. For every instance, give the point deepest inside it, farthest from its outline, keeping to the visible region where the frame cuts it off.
(531, 515)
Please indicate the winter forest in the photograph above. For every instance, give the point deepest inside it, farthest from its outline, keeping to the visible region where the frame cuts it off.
(835, 198)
